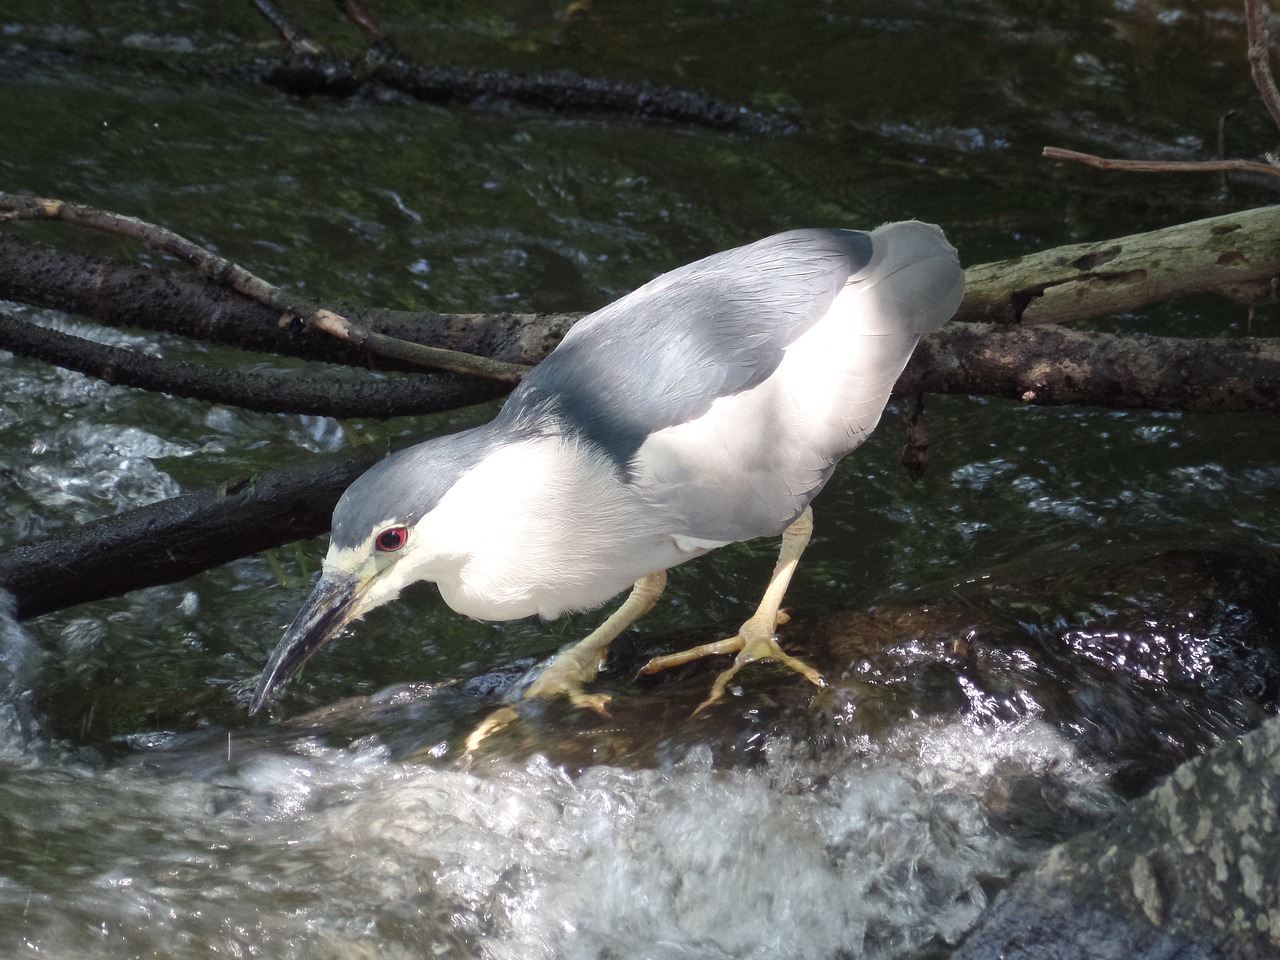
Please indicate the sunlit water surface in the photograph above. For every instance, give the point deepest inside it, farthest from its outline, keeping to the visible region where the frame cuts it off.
(874, 851)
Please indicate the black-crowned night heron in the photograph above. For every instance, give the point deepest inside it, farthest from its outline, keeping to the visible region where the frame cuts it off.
(707, 407)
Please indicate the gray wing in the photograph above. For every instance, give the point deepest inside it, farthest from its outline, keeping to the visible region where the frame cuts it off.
(661, 355)
(751, 464)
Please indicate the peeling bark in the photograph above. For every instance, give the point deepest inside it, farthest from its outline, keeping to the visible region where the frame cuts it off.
(1236, 255)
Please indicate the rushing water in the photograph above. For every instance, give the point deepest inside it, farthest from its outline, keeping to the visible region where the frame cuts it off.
(1067, 605)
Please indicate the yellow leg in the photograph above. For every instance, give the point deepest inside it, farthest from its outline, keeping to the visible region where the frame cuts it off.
(571, 670)
(755, 641)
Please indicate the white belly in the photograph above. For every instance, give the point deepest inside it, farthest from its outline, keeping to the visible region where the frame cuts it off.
(544, 527)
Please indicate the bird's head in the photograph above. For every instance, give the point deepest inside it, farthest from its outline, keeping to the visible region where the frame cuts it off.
(378, 547)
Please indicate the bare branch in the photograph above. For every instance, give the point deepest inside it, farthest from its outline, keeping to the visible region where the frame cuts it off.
(1259, 56)
(365, 23)
(223, 271)
(1055, 366)
(174, 300)
(1162, 166)
(270, 393)
(1255, 19)
(1236, 255)
(435, 357)
(296, 38)
(169, 540)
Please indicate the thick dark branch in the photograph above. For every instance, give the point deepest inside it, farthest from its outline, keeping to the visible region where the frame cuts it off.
(226, 273)
(173, 539)
(564, 92)
(1056, 366)
(310, 72)
(269, 393)
(174, 301)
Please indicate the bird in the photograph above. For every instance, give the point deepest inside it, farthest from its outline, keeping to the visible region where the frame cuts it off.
(707, 407)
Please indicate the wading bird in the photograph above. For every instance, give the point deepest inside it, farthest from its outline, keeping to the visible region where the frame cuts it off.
(709, 406)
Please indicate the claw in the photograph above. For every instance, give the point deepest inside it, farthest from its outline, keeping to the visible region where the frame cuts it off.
(751, 649)
(496, 721)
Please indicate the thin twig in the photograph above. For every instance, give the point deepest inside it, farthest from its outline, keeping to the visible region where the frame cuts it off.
(291, 33)
(1255, 19)
(225, 273)
(364, 21)
(1258, 53)
(438, 358)
(1161, 166)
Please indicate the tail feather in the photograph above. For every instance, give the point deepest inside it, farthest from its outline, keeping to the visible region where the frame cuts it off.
(914, 280)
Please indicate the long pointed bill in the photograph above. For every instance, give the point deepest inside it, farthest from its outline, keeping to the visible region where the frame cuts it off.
(331, 606)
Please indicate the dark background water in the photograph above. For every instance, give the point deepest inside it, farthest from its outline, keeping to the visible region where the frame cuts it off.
(907, 109)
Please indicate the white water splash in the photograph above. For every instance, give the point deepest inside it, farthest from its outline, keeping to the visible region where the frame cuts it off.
(876, 852)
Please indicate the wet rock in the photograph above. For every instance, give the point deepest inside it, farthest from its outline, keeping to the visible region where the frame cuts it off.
(1190, 871)
(1141, 658)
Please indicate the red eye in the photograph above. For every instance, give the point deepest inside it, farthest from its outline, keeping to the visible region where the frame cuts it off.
(392, 539)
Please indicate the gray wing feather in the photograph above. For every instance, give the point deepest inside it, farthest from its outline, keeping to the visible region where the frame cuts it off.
(664, 353)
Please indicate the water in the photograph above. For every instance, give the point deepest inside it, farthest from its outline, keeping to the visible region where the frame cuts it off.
(326, 851)
(1069, 603)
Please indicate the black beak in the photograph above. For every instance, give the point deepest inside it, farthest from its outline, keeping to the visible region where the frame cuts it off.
(330, 607)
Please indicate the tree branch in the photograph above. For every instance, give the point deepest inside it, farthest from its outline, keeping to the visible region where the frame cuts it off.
(174, 301)
(173, 539)
(293, 36)
(1162, 166)
(1236, 255)
(1056, 366)
(269, 393)
(311, 72)
(1259, 55)
(225, 273)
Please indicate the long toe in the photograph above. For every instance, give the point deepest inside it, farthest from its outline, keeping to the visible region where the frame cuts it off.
(755, 648)
(667, 661)
(498, 720)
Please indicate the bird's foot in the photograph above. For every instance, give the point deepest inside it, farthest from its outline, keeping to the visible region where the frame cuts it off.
(753, 642)
(567, 674)
(503, 717)
(751, 649)
(491, 724)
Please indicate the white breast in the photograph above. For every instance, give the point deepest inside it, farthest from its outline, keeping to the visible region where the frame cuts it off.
(544, 526)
